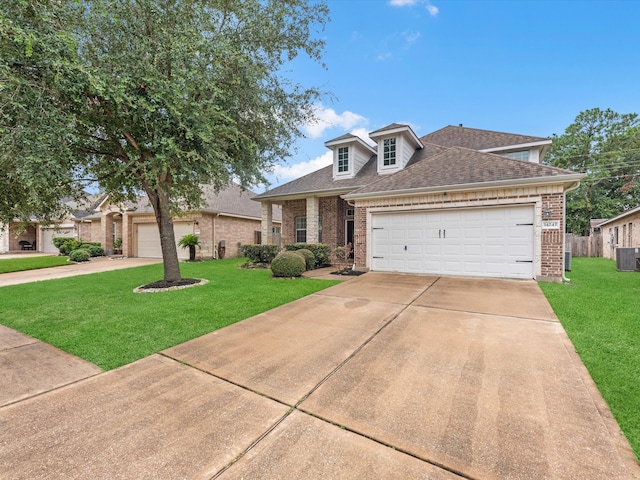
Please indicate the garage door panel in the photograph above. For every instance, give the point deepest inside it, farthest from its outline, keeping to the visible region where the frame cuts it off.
(495, 242)
(148, 239)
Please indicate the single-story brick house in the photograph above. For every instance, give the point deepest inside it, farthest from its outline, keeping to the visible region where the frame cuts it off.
(458, 201)
(228, 220)
(39, 236)
(620, 231)
(229, 216)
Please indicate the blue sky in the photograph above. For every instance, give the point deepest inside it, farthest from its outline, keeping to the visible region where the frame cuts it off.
(516, 66)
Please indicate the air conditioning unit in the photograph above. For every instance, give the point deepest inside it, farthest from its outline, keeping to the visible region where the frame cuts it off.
(627, 259)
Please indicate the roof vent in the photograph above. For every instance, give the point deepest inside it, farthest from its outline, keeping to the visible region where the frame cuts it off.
(460, 125)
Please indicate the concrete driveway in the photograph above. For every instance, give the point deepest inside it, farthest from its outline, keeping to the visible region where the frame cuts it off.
(384, 376)
(98, 264)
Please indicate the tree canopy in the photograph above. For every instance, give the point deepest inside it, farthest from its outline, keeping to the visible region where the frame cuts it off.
(149, 96)
(606, 146)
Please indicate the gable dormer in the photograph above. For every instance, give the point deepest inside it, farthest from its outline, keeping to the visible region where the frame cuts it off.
(396, 145)
(350, 153)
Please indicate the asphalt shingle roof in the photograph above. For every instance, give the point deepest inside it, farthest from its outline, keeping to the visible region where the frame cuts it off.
(458, 166)
(232, 200)
(476, 139)
(450, 157)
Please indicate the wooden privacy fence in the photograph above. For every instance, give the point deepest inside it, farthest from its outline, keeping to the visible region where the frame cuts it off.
(581, 246)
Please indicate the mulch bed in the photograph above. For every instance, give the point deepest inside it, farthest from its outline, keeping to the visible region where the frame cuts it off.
(164, 286)
(348, 273)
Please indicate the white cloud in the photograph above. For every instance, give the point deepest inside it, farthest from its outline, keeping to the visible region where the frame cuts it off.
(411, 37)
(328, 118)
(363, 133)
(284, 173)
(402, 3)
(383, 56)
(432, 9)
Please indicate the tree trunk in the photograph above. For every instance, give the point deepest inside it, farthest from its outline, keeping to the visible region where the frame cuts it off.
(192, 253)
(160, 203)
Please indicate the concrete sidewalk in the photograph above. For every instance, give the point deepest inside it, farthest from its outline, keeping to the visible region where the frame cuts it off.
(385, 376)
(98, 264)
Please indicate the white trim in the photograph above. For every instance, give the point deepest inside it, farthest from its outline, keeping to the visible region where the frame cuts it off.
(393, 131)
(518, 146)
(349, 140)
(570, 179)
(619, 216)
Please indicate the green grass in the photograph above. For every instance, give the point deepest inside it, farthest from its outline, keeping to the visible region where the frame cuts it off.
(600, 310)
(31, 263)
(98, 317)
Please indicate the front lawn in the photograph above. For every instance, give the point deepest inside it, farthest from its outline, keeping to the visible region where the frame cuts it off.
(98, 317)
(600, 310)
(30, 263)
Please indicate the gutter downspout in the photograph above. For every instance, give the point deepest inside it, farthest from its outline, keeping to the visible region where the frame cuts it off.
(564, 230)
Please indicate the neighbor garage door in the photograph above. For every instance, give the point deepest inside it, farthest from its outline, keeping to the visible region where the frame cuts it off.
(148, 239)
(487, 242)
(48, 234)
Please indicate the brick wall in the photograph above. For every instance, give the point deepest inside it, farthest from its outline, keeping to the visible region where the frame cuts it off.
(290, 210)
(623, 224)
(233, 231)
(333, 211)
(551, 261)
(360, 237)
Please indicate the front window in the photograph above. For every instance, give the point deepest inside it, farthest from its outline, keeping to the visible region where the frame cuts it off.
(343, 159)
(301, 229)
(389, 152)
(522, 155)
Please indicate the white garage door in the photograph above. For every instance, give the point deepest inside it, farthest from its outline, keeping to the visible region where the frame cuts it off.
(48, 234)
(148, 239)
(487, 242)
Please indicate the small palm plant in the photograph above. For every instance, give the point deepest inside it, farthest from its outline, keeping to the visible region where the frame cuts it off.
(190, 241)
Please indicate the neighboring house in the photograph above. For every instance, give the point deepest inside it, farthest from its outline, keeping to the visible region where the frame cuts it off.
(227, 220)
(229, 217)
(458, 201)
(40, 236)
(620, 231)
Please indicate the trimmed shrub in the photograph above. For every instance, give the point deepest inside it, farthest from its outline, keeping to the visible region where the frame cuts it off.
(95, 250)
(288, 264)
(58, 241)
(309, 258)
(87, 245)
(319, 250)
(260, 253)
(80, 255)
(68, 245)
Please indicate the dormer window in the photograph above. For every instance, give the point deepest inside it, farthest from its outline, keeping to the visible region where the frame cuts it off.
(389, 152)
(521, 155)
(343, 159)
(350, 154)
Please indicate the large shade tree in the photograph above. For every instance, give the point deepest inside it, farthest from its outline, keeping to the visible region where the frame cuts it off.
(606, 146)
(153, 96)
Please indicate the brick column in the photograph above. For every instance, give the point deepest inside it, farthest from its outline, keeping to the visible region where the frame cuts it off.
(267, 223)
(106, 222)
(360, 238)
(313, 208)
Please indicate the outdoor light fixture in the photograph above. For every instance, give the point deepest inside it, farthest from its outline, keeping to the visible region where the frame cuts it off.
(546, 214)
(195, 221)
